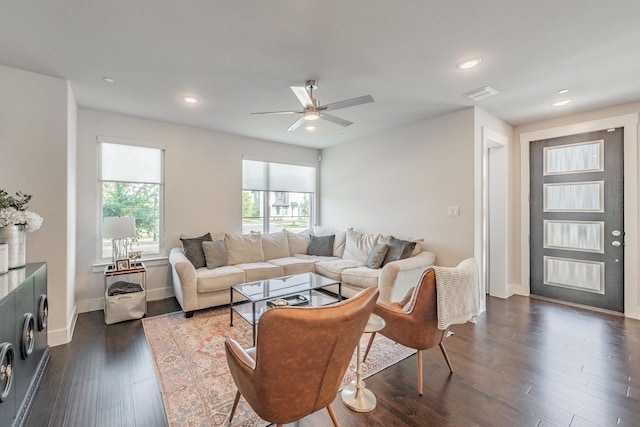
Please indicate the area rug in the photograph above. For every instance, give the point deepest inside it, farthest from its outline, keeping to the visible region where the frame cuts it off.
(197, 388)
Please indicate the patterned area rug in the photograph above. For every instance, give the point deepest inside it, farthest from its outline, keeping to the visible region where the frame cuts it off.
(197, 388)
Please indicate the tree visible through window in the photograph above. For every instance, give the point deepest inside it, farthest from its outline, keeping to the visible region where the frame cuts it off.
(131, 185)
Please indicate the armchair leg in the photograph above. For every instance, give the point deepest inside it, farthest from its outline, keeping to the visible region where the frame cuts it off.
(333, 416)
(235, 406)
(419, 356)
(446, 356)
(366, 352)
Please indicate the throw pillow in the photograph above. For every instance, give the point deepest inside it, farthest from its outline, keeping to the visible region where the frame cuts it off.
(321, 245)
(215, 254)
(359, 245)
(416, 250)
(398, 249)
(192, 248)
(298, 243)
(244, 248)
(376, 256)
(339, 243)
(275, 245)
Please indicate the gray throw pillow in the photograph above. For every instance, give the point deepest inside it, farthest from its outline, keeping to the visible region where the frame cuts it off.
(215, 254)
(321, 245)
(376, 256)
(192, 248)
(398, 249)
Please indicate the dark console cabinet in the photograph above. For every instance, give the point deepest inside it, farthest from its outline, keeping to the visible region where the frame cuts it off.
(24, 310)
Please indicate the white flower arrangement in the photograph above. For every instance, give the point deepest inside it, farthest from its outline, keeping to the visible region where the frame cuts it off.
(13, 211)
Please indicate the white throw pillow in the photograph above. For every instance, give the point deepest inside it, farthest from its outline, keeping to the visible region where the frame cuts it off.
(243, 248)
(339, 243)
(298, 243)
(359, 245)
(275, 245)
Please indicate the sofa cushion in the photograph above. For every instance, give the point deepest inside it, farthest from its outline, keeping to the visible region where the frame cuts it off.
(294, 265)
(215, 254)
(298, 243)
(398, 249)
(221, 278)
(192, 248)
(376, 256)
(360, 277)
(334, 268)
(275, 245)
(339, 243)
(254, 271)
(359, 245)
(243, 248)
(321, 245)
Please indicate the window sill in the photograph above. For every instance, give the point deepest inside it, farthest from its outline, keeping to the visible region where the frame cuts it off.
(148, 262)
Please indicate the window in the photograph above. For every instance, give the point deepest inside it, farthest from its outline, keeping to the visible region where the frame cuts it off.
(277, 196)
(131, 184)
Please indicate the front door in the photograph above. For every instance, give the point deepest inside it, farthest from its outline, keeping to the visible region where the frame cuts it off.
(577, 236)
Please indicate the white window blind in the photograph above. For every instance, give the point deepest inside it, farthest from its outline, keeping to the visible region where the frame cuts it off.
(130, 163)
(265, 176)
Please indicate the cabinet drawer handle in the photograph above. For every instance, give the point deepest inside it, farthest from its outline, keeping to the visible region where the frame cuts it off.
(43, 312)
(27, 339)
(6, 370)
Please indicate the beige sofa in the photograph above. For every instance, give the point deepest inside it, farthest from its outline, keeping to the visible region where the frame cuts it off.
(349, 256)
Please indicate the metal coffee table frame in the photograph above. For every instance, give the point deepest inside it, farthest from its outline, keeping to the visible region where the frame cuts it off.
(258, 293)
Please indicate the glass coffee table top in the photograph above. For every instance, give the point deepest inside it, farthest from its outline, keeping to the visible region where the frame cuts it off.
(297, 289)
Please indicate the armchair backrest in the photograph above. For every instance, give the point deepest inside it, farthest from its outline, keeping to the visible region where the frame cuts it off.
(302, 355)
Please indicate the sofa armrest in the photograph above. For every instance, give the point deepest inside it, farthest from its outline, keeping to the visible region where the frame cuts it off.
(399, 276)
(185, 279)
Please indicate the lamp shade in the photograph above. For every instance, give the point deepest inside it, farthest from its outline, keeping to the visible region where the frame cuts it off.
(119, 227)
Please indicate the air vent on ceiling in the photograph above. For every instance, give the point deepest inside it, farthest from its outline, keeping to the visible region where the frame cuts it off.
(481, 93)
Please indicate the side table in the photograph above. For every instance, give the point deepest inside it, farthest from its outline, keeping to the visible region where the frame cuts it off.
(137, 268)
(356, 396)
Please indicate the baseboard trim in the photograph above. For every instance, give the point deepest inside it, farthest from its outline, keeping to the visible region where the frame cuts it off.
(63, 336)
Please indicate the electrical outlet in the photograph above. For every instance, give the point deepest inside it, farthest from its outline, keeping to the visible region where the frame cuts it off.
(454, 211)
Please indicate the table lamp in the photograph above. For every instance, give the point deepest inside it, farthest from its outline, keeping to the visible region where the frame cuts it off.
(120, 229)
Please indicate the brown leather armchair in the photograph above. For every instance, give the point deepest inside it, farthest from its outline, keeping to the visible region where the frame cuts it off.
(300, 358)
(414, 323)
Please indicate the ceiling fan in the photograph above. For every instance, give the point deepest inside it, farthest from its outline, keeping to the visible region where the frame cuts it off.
(312, 110)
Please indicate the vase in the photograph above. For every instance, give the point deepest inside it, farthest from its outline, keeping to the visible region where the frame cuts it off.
(15, 236)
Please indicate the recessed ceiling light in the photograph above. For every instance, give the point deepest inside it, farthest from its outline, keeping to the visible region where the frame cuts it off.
(469, 63)
(190, 99)
(561, 91)
(561, 103)
(310, 127)
(108, 80)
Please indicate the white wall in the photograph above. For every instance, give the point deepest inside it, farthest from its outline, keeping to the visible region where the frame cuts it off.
(35, 112)
(577, 123)
(403, 181)
(203, 176)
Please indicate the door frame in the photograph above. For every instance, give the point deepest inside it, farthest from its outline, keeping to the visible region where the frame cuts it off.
(630, 124)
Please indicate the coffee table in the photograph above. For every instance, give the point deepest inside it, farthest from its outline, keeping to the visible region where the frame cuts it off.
(263, 294)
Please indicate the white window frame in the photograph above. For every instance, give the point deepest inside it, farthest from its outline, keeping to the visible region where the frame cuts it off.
(99, 218)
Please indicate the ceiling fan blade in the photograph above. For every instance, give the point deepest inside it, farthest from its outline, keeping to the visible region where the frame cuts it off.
(336, 120)
(296, 124)
(279, 112)
(348, 103)
(302, 95)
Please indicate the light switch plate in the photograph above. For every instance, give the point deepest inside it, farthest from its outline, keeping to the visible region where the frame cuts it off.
(454, 211)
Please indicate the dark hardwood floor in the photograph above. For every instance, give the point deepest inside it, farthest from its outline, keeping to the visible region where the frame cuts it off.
(526, 362)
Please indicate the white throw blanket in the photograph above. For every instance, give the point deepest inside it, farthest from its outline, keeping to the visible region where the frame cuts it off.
(458, 294)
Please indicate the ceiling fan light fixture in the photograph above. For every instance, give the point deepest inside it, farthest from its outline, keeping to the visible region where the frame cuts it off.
(311, 115)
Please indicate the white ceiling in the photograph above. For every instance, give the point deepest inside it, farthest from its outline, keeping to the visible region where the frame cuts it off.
(241, 56)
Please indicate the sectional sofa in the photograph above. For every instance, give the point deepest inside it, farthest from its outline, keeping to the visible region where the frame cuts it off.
(205, 267)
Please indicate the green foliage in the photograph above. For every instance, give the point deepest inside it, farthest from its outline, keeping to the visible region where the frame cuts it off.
(250, 206)
(141, 201)
(19, 202)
